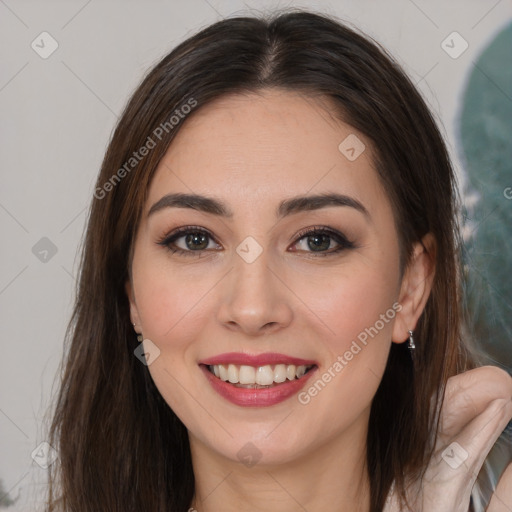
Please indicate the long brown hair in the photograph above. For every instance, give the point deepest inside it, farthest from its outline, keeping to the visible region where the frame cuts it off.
(121, 447)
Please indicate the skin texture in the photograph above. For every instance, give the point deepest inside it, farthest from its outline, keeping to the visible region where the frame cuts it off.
(252, 152)
(477, 407)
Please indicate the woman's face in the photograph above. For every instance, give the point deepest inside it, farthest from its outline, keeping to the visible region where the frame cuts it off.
(247, 287)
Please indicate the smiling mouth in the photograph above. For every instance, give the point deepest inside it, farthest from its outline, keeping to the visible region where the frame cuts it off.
(258, 377)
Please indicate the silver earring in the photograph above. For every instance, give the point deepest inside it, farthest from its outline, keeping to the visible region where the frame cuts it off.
(412, 346)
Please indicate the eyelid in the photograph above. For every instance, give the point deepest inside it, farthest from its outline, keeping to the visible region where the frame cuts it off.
(319, 229)
(342, 241)
(182, 231)
(340, 238)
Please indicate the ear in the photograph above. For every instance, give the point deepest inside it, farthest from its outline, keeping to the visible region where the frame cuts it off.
(134, 313)
(415, 288)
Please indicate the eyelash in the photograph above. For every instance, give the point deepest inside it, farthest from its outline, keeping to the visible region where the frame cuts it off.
(338, 237)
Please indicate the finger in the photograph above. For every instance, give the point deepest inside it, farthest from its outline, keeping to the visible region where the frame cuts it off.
(468, 450)
(469, 394)
(455, 471)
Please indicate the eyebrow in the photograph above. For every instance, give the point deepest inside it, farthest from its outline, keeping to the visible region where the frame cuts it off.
(285, 208)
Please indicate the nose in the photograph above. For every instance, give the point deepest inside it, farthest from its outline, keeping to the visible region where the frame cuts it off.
(254, 298)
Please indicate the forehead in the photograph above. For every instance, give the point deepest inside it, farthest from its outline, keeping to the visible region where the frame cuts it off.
(271, 145)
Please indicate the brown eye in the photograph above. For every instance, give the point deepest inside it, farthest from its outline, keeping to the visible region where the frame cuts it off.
(195, 240)
(319, 239)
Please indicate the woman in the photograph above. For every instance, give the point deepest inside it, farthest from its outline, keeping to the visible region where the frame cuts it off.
(275, 221)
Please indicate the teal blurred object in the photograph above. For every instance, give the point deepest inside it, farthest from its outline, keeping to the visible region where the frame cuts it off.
(486, 141)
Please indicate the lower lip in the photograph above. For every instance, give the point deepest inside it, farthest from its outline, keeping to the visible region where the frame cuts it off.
(257, 397)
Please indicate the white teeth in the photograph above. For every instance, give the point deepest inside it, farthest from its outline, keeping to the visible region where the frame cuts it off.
(247, 374)
(222, 371)
(280, 373)
(261, 375)
(264, 376)
(232, 374)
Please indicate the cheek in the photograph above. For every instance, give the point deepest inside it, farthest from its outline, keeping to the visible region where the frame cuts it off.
(172, 309)
(359, 310)
(355, 304)
(170, 303)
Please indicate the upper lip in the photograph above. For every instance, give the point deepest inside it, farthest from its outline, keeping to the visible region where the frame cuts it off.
(267, 358)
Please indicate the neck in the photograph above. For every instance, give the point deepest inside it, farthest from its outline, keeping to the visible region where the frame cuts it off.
(332, 476)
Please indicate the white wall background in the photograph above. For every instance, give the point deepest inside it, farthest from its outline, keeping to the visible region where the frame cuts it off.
(57, 115)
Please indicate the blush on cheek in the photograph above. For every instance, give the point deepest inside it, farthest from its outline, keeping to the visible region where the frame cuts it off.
(160, 308)
(171, 313)
(360, 322)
